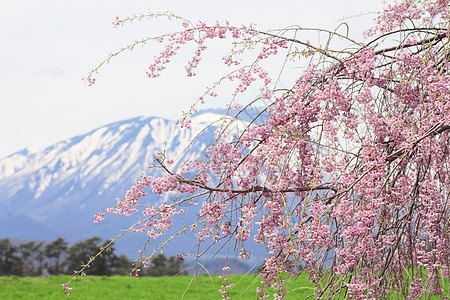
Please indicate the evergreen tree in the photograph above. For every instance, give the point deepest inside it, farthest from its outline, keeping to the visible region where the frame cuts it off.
(106, 264)
(55, 251)
(10, 261)
(31, 253)
(162, 266)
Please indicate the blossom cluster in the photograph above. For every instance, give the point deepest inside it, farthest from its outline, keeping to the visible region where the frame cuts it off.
(346, 177)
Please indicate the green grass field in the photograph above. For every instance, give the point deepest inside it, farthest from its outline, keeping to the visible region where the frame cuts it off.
(126, 287)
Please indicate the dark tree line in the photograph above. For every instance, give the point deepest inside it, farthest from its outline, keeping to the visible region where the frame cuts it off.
(57, 258)
(161, 266)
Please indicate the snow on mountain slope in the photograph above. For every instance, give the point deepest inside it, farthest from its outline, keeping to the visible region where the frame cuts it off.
(64, 185)
(55, 191)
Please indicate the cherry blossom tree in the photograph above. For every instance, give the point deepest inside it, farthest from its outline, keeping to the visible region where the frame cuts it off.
(347, 174)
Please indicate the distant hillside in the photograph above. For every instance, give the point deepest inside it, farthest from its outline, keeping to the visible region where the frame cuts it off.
(55, 191)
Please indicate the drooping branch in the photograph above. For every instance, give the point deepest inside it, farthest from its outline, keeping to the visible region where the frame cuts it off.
(433, 131)
(256, 188)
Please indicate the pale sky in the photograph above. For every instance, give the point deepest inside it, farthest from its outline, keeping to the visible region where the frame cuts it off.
(48, 46)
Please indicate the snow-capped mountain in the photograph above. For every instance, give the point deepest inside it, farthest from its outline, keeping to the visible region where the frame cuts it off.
(54, 192)
(61, 187)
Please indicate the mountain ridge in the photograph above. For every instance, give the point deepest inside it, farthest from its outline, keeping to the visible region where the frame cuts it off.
(80, 176)
(61, 187)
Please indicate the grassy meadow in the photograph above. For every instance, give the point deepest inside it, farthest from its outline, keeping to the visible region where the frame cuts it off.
(126, 287)
(158, 288)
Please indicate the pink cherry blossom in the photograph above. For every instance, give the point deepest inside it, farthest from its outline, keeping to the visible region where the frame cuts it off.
(344, 172)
